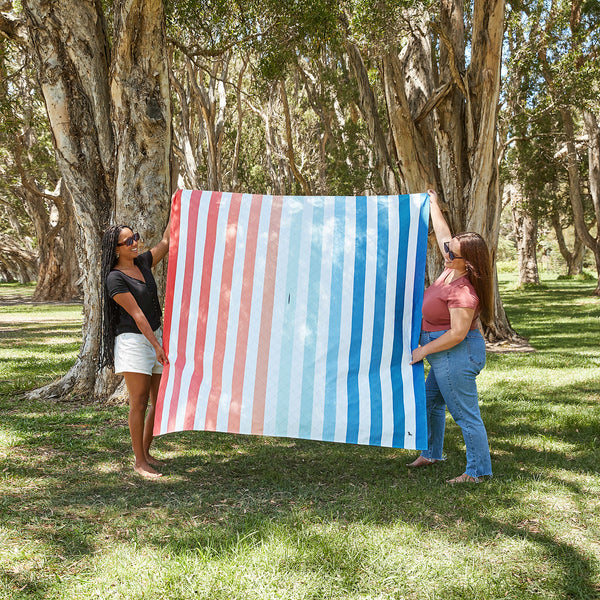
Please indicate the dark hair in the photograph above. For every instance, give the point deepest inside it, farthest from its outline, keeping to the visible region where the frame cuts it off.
(110, 312)
(474, 252)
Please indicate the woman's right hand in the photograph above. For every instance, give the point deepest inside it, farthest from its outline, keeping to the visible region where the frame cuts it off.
(433, 196)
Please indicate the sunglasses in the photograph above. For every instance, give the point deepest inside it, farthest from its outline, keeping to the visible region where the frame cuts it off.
(449, 252)
(134, 238)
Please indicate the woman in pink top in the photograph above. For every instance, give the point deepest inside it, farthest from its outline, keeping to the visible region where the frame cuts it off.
(454, 346)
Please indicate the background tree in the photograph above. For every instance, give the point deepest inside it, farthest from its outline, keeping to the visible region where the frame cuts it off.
(109, 116)
(27, 173)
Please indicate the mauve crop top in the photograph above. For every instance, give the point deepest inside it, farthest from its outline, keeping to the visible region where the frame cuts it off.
(440, 296)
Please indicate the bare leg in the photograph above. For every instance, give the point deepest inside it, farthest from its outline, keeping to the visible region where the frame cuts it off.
(138, 386)
(149, 424)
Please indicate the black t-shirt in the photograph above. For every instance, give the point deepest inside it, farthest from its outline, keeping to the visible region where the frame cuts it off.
(144, 292)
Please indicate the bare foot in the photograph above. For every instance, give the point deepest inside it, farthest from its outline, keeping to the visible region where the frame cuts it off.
(145, 470)
(421, 461)
(464, 478)
(154, 461)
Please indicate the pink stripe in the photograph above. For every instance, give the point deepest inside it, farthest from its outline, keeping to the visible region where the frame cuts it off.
(207, 267)
(214, 396)
(192, 219)
(264, 340)
(239, 364)
(172, 265)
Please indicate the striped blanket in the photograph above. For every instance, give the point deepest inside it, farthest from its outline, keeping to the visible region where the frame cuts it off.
(296, 317)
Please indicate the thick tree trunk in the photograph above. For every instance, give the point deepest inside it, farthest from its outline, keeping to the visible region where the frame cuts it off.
(70, 45)
(462, 162)
(141, 115)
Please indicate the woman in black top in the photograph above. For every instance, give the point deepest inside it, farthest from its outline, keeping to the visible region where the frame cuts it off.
(131, 337)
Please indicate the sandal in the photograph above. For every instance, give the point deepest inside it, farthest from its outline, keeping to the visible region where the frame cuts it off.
(464, 478)
(421, 461)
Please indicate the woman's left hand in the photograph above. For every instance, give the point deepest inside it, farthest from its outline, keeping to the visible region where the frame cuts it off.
(161, 356)
(418, 354)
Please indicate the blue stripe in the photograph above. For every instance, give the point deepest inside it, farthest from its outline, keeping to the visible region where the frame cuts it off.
(378, 323)
(396, 369)
(335, 316)
(312, 316)
(360, 258)
(419, 369)
(287, 342)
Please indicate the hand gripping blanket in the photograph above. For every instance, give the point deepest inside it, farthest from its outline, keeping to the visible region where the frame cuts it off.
(296, 317)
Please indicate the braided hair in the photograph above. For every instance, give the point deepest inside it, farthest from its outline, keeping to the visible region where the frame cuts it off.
(110, 313)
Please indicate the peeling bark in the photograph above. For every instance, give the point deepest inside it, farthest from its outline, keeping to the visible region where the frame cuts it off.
(71, 52)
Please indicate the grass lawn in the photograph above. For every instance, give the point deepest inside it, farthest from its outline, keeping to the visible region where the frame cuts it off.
(239, 517)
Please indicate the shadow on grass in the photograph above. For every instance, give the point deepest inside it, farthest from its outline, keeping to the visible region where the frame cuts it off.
(221, 488)
(67, 482)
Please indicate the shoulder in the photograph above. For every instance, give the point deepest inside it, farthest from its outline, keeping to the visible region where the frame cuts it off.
(113, 276)
(116, 283)
(144, 260)
(462, 290)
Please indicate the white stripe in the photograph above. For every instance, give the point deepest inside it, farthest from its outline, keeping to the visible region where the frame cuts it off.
(364, 420)
(233, 320)
(255, 315)
(300, 325)
(272, 388)
(407, 370)
(387, 406)
(195, 278)
(341, 416)
(184, 205)
(213, 311)
(323, 318)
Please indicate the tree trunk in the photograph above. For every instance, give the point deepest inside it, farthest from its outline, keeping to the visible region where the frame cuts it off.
(525, 228)
(593, 243)
(289, 150)
(141, 115)
(71, 51)
(573, 259)
(593, 131)
(58, 270)
(16, 262)
(368, 106)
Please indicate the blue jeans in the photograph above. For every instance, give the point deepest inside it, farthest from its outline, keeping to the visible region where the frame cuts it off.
(451, 383)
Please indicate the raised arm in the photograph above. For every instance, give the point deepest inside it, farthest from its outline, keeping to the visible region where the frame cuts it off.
(160, 250)
(440, 227)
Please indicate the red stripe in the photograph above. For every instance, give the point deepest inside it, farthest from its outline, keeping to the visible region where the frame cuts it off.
(239, 364)
(262, 359)
(171, 268)
(214, 396)
(207, 267)
(192, 220)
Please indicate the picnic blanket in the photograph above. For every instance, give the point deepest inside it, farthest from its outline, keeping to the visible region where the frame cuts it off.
(295, 316)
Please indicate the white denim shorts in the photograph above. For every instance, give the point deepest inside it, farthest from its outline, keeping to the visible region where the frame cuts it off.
(135, 354)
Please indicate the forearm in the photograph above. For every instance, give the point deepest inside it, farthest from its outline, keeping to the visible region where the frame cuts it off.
(160, 250)
(440, 226)
(446, 341)
(144, 326)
